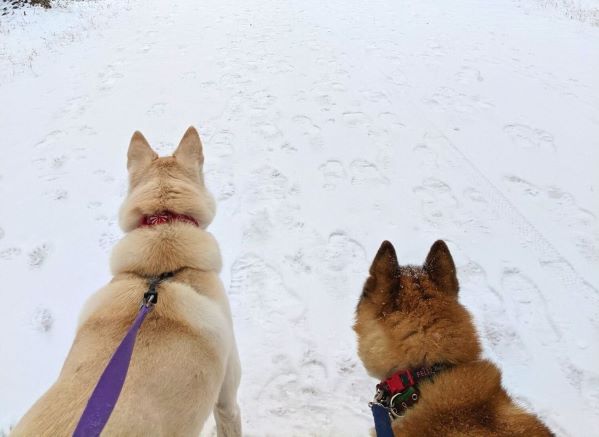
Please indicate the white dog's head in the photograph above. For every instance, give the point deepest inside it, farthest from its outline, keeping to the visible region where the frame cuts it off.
(173, 183)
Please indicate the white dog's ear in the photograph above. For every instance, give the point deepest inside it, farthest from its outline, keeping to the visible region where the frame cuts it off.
(190, 151)
(140, 153)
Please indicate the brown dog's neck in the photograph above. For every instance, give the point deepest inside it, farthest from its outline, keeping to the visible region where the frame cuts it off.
(399, 391)
(452, 386)
(478, 375)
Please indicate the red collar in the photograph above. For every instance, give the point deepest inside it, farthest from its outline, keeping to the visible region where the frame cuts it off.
(403, 379)
(164, 217)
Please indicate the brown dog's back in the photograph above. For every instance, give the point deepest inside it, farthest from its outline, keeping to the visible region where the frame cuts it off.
(409, 317)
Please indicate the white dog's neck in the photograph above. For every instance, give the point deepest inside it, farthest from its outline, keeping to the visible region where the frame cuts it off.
(150, 251)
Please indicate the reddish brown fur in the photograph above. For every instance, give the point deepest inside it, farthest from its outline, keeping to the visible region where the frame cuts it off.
(410, 317)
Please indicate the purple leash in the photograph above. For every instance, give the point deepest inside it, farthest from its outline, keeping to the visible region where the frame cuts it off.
(106, 393)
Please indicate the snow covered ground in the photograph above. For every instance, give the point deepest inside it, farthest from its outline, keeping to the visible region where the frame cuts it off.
(328, 127)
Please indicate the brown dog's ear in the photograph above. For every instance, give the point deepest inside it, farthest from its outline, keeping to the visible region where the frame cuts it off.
(385, 263)
(190, 152)
(140, 153)
(441, 269)
(384, 275)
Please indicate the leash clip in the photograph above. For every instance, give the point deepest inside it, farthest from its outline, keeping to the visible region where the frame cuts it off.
(151, 296)
(150, 299)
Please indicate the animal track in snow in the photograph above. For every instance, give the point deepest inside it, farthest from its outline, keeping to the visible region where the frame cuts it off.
(307, 129)
(162, 148)
(427, 156)
(390, 119)
(10, 253)
(222, 144)
(259, 227)
(504, 340)
(398, 78)
(298, 263)
(94, 204)
(337, 86)
(109, 77)
(50, 139)
(530, 306)
(76, 106)
(333, 172)
(156, 110)
(475, 195)
(468, 75)
(58, 162)
(262, 99)
(528, 137)
(57, 194)
(473, 276)
(365, 172)
(266, 183)
(262, 295)
(268, 131)
(449, 100)
(356, 119)
(590, 389)
(297, 383)
(107, 240)
(38, 256)
(581, 223)
(437, 199)
(221, 183)
(1, 233)
(42, 320)
(343, 252)
(524, 186)
(375, 96)
(485, 214)
(50, 169)
(107, 177)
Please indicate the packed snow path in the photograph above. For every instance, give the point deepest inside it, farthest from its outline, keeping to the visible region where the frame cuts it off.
(328, 127)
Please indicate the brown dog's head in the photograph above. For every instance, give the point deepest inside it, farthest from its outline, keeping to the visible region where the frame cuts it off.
(410, 316)
(174, 183)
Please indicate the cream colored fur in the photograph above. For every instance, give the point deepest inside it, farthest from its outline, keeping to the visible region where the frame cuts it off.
(185, 363)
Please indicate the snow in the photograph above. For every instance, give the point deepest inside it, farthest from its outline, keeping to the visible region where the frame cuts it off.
(582, 10)
(328, 127)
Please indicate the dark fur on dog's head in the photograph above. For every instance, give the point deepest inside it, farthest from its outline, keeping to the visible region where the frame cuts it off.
(410, 316)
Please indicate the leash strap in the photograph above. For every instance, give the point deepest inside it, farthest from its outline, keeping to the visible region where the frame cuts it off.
(382, 421)
(106, 393)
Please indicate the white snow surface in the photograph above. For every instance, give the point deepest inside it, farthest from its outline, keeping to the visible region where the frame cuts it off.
(328, 127)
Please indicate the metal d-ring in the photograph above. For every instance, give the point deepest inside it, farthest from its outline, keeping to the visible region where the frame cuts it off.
(391, 407)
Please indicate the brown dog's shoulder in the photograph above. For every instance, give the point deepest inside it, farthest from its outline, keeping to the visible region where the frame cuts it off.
(409, 318)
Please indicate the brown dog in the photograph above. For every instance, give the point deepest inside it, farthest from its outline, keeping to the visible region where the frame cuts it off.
(414, 335)
(185, 364)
